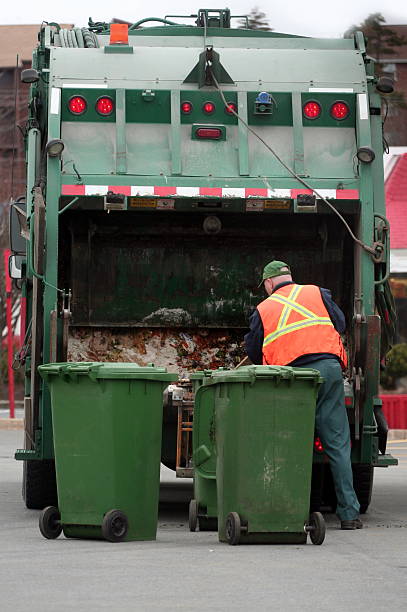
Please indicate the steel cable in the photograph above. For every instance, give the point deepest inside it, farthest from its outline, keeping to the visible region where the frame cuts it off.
(374, 251)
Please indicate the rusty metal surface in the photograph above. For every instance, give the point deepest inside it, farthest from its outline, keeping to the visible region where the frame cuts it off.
(178, 350)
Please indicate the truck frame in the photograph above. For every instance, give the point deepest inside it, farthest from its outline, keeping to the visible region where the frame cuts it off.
(166, 164)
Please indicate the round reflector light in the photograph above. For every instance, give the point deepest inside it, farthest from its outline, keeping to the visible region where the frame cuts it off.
(186, 108)
(318, 445)
(312, 110)
(77, 105)
(105, 106)
(339, 111)
(209, 108)
(231, 107)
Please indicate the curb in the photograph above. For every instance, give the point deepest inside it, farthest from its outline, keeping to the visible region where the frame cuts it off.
(11, 423)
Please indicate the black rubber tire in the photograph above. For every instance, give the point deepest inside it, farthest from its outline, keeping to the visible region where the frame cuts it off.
(39, 487)
(50, 523)
(193, 515)
(233, 528)
(363, 484)
(115, 526)
(317, 534)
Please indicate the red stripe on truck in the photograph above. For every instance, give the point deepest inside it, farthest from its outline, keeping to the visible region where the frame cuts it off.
(165, 191)
(73, 190)
(262, 193)
(210, 191)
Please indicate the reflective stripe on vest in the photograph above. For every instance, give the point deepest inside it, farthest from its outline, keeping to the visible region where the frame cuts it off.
(296, 322)
(289, 303)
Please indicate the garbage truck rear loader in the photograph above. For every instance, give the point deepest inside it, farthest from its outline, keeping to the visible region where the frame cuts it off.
(164, 168)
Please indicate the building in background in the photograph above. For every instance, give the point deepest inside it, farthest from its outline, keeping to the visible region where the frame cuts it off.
(395, 66)
(395, 166)
(16, 46)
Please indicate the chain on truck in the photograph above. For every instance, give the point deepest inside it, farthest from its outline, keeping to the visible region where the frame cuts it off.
(166, 163)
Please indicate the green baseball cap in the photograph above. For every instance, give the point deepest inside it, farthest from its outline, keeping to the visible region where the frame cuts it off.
(275, 268)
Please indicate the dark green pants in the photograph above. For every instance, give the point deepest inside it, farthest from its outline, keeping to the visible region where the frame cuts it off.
(332, 425)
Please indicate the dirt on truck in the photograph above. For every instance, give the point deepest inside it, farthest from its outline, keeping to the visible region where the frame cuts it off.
(166, 164)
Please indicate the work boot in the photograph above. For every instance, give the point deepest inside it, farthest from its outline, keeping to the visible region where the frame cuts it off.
(352, 524)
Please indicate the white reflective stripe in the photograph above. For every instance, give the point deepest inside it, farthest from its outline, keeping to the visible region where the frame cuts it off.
(188, 192)
(331, 89)
(55, 101)
(279, 193)
(363, 109)
(326, 193)
(142, 190)
(233, 192)
(85, 85)
(96, 190)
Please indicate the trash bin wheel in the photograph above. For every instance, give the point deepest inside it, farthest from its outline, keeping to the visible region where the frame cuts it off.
(317, 528)
(233, 528)
(193, 515)
(114, 526)
(50, 522)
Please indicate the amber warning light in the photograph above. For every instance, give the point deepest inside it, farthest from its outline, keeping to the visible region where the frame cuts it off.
(119, 34)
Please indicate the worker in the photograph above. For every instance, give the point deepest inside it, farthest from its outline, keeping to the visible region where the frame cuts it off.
(300, 325)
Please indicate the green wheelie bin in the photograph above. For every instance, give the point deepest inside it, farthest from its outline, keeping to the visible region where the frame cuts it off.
(107, 420)
(264, 429)
(203, 510)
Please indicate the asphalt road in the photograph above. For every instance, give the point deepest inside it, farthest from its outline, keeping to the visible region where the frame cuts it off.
(362, 570)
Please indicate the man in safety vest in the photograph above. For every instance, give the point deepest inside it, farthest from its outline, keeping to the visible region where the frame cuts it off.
(300, 326)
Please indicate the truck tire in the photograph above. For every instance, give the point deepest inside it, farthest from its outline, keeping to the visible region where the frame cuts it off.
(39, 484)
(363, 484)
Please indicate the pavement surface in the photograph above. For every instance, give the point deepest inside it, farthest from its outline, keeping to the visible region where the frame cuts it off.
(364, 570)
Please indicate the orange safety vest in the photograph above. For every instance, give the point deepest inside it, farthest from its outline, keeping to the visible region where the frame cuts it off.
(296, 322)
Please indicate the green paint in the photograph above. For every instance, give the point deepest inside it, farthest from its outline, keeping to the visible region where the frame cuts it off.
(202, 126)
(326, 100)
(91, 96)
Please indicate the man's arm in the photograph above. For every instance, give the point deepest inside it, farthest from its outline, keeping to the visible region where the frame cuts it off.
(254, 339)
(336, 314)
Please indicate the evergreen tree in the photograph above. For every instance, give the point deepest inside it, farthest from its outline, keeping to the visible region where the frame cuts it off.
(380, 40)
(257, 20)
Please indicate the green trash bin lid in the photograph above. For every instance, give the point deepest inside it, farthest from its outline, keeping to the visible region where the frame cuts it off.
(107, 370)
(260, 372)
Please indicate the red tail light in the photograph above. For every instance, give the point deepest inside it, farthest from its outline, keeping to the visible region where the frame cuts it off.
(231, 107)
(77, 105)
(186, 108)
(209, 133)
(312, 110)
(318, 445)
(339, 111)
(105, 106)
(209, 108)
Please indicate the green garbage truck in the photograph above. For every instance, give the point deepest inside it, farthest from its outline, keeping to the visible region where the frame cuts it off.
(167, 161)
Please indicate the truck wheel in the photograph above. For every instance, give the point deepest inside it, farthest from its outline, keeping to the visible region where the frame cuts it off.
(39, 484)
(317, 528)
(363, 484)
(193, 515)
(114, 526)
(233, 528)
(50, 523)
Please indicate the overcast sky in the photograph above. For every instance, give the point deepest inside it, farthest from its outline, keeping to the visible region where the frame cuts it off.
(308, 17)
